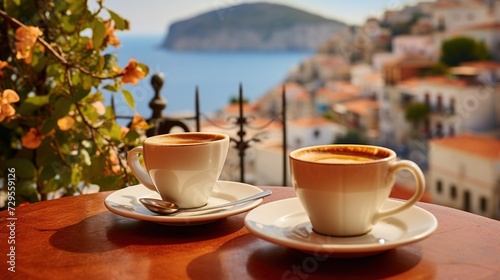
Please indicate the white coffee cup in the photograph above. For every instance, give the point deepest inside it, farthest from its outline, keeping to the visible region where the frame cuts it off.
(343, 187)
(182, 167)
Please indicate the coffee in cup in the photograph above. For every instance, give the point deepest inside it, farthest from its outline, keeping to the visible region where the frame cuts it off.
(343, 187)
(182, 167)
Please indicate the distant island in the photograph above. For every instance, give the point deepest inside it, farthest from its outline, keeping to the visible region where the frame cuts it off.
(252, 27)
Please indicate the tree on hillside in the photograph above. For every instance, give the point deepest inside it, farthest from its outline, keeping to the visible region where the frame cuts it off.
(416, 113)
(351, 137)
(461, 49)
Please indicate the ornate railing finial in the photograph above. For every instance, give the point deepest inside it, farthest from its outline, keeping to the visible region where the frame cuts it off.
(158, 103)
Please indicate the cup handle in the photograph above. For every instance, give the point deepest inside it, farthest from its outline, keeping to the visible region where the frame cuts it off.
(420, 187)
(137, 169)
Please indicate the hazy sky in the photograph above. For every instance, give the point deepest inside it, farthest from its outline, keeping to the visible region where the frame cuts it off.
(154, 16)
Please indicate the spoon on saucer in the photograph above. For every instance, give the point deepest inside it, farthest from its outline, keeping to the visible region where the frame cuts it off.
(165, 207)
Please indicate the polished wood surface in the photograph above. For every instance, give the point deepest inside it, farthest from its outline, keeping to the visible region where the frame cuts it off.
(78, 238)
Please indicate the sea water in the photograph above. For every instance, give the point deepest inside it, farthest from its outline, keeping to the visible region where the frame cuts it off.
(216, 74)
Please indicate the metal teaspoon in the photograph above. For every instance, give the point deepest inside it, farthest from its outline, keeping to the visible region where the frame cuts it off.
(165, 207)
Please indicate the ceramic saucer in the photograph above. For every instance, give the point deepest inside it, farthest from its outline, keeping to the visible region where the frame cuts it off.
(285, 222)
(125, 202)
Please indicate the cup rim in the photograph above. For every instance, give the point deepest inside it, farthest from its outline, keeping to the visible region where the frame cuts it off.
(223, 135)
(392, 154)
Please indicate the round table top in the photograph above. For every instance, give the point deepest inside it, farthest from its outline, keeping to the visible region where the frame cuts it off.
(78, 238)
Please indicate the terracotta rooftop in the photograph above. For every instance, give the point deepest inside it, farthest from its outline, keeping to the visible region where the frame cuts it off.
(485, 26)
(459, 4)
(311, 121)
(473, 144)
(409, 83)
(344, 87)
(362, 106)
(409, 60)
(234, 108)
(335, 95)
(487, 64)
(445, 80)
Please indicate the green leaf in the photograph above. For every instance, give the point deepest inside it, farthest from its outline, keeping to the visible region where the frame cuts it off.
(47, 173)
(31, 104)
(114, 131)
(68, 23)
(45, 154)
(111, 88)
(39, 63)
(129, 98)
(26, 189)
(80, 94)
(132, 138)
(62, 107)
(51, 186)
(108, 183)
(98, 165)
(24, 168)
(48, 125)
(110, 60)
(144, 67)
(98, 33)
(120, 23)
(85, 157)
(76, 175)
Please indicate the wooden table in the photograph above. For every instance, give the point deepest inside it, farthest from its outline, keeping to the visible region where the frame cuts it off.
(78, 238)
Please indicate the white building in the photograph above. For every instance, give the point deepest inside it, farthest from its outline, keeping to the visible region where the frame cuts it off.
(451, 16)
(312, 131)
(457, 105)
(464, 173)
(422, 45)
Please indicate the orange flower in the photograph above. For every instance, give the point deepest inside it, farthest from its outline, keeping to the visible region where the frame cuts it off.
(4, 64)
(99, 107)
(89, 45)
(32, 139)
(110, 34)
(65, 123)
(124, 130)
(6, 98)
(132, 73)
(26, 37)
(138, 122)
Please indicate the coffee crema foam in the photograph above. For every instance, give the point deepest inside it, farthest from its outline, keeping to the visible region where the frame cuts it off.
(333, 157)
(183, 139)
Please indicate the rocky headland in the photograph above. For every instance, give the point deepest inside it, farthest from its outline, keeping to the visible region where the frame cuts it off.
(252, 27)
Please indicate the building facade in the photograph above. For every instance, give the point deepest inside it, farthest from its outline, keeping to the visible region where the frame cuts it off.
(464, 173)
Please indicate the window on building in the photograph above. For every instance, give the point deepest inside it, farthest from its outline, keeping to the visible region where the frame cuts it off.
(452, 106)
(439, 186)
(316, 133)
(439, 130)
(439, 106)
(427, 128)
(470, 16)
(427, 99)
(483, 204)
(453, 192)
(467, 201)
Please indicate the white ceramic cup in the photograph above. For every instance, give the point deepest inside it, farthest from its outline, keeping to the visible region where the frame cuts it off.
(182, 167)
(343, 187)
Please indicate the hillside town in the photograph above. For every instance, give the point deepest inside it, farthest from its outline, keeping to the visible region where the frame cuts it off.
(385, 83)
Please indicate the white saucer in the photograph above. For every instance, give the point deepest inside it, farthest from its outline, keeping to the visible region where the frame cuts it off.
(285, 222)
(125, 202)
